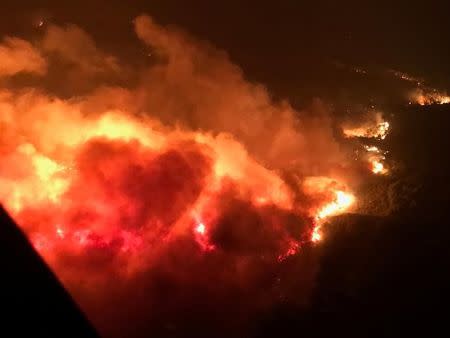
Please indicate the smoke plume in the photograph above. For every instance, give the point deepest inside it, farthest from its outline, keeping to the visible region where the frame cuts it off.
(188, 200)
(20, 56)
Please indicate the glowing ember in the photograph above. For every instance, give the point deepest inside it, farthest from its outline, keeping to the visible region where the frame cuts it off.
(202, 238)
(292, 250)
(200, 229)
(372, 149)
(378, 167)
(406, 77)
(60, 232)
(316, 236)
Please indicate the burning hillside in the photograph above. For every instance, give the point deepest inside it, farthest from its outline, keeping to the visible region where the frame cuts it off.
(193, 187)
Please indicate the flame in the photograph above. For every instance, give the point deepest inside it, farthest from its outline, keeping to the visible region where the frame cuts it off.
(374, 127)
(292, 250)
(336, 200)
(200, 229)
(380, 130)
(201, 236)
(375, 157)
(316, 235)
(73, 175)
(190, 174)
(341, 203)
(425, 97)
(59, 232)
(372, 149)
(378, 167)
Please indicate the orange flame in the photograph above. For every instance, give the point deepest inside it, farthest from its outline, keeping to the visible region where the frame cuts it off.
(379, 130)
(429, 97)
(375, 158)
(341, 203)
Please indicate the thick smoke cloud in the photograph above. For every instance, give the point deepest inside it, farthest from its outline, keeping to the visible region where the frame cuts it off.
(75, 47)
(199, 86)
(182, 203)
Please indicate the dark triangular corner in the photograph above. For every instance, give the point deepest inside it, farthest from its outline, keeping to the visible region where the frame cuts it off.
(34, 303)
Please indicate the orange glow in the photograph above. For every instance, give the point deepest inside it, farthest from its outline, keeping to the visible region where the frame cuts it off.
(316, 235)
(379, 130)
(202, 238)
(292, 250)
(375, 157)
(374, 127)
(425, 97)
(60, 232)
(342, 201)
(336, 200)
(200, 228)
(174, 179)
(129, 174)
(378, 167)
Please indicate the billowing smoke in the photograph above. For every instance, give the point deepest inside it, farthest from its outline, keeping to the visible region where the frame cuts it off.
(77, 49)
(188, 200)
(19, 56)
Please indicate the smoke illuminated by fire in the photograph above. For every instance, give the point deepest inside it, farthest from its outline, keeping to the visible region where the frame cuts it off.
(193, 166)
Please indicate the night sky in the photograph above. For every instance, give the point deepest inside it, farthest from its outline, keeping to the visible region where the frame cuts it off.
(291, 46)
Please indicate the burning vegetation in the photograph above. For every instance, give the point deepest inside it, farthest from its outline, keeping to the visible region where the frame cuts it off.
(193, 177)
(429, 96)
(372, 127)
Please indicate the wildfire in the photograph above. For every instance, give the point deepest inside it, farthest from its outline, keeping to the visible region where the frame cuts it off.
(375, 127)
(342, 201)
(380, 131)
(428, 97)
(190, 174)
(316, 235)
(82, 178)
(193, 175)
(202, 238)
(376, 157)
(406, 77)
(378, 167)
(337, 200)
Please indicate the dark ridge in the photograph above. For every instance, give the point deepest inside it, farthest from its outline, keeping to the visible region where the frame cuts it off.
(379, 277)
(34, 302)
(420, 139)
